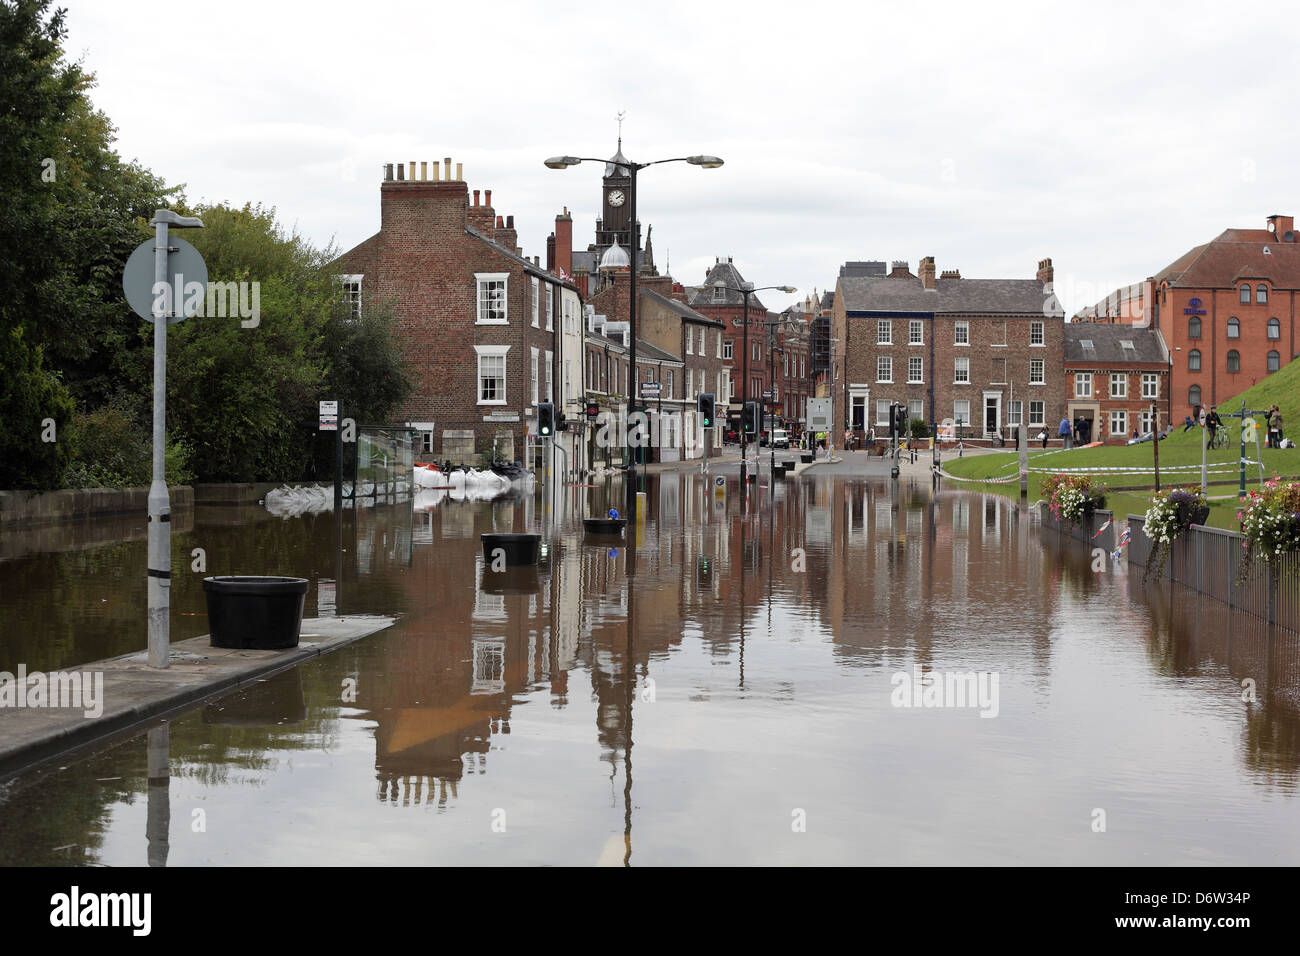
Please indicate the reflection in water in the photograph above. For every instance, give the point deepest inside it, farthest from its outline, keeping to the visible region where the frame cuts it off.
(749, 640)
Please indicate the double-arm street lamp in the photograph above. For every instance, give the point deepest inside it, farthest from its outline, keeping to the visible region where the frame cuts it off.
(747, 291)
(611, 260)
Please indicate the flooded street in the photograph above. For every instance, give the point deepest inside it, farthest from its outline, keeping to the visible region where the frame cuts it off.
(732, 690)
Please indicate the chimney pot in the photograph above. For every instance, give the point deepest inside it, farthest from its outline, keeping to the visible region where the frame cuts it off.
(401, 172)
(510, 222)
(488, 194)
(447, 167)
(435, 170)
(424, 170)
(459, 177)
(412, 175)
(500, 224)
(388, 171)
(476, 197)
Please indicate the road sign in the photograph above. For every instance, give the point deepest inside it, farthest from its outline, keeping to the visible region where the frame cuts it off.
(649, 389)
(329, 416)
(767, 396)
(185, 267)
(1248, 427)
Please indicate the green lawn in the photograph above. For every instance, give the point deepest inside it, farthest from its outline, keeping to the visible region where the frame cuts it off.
(1180, 449)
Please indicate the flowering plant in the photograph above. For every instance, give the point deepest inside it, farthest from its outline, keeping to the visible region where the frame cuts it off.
(1270, 521)
(1171, 514)
(1073, 498)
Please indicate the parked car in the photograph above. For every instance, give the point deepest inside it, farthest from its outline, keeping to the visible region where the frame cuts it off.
(779, 438)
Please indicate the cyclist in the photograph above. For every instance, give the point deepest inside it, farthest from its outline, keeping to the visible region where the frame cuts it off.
(1213, 422)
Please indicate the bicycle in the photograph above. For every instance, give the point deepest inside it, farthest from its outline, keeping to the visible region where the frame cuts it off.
(1220, 439)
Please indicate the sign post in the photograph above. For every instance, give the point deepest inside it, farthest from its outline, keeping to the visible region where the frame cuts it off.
(329, 422)
(167, 290)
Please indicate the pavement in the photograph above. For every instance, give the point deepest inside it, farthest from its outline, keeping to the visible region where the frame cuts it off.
(133, 692)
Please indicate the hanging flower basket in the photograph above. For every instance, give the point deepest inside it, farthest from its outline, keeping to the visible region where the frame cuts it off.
(1170, 516)
(1270, 522)
(1073, 498)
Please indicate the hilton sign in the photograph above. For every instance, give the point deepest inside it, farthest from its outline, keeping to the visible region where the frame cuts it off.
(1193, 307)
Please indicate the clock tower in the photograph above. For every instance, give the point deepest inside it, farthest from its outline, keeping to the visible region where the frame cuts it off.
(615, 222)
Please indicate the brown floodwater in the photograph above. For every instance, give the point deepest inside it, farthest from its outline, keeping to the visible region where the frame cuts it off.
(730, 690)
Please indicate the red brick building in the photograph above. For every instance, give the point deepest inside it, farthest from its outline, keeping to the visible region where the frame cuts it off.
(985, 352)
(1226, 309)
(1113, 375)
(716, 299)
(477, 320)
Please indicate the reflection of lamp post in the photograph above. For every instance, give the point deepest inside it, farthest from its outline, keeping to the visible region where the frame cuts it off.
(612, 260)
(746, 291)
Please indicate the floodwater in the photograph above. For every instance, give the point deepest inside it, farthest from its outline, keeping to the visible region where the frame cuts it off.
(728, 691)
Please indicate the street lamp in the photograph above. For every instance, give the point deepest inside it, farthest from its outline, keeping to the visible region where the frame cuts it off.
(563, 162)
(744, 392)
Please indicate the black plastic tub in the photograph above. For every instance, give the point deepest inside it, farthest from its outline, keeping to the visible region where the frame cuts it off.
(604, 525)
(516, 549)
(254, 612)
(806, 458)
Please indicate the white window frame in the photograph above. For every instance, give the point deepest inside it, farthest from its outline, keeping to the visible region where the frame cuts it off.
(690, 341)
(920, 412)
(491, 351)
(915, 362)
(482, 279)
(1150, 385)
(1037, 412)
(882, 411)
(728, 350)
(1119, 416)
(1036, 330)
(884, 332)
(550, 307)
(536, 283)
(885, 364)
(719, 345)
(1014, 408)
(702, 343)
(550, 376)
(1083, 385)
(1118, 385)
(533, 373)
(961, 370)
(1037, 372)
(351, 286)
(915, 332)
(961, 413)
(961, 333)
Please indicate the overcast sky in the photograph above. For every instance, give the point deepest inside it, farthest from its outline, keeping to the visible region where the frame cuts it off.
(1111, 137)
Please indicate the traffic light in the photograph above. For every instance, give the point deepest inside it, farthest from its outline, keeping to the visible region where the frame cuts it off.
(900, 421)
(749, 418)
(545, 419)
(706, 409)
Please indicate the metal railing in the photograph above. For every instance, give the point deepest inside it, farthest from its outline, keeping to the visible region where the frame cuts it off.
(1087, 532)
(1209, 560)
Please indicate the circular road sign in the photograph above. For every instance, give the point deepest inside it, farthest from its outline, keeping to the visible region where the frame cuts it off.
(184, 265)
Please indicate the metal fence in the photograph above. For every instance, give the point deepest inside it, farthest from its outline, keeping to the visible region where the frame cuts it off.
(1089, 532)
(1209, 560)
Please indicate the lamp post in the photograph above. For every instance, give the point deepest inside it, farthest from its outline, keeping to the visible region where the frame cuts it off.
(634, 237)
(744, 392)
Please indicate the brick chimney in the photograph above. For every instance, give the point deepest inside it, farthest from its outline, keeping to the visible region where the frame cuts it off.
(926, 269)
(1280, 226)
(1045, 271)
(900, 270)
(418, 208)
(951, 274)
(481, 215)
(564, 241)
(505, 234)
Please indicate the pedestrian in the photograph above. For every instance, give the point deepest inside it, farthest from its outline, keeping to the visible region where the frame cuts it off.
(1275, 427)
(1064, 432)
(1187, 423)
(1213, 422)
(848, 440)
(1135, 433)
(1042, 436)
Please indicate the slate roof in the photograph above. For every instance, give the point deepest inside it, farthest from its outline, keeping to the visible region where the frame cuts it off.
(644, 350)
(1148, 346)
(701, 295)
(950, 296)
(1235, 254)
(681, 308)
(526, 263)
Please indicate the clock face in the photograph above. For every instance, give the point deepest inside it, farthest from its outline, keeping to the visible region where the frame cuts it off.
(616, 198)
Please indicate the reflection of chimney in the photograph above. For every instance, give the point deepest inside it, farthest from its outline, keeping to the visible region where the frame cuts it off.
(1045, 271)
(926, 269)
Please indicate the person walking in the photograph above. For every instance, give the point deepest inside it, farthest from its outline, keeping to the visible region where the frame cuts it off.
(1275, 427)
(1042, 436)
(1064, 432)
